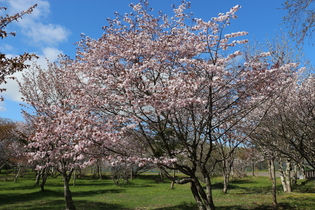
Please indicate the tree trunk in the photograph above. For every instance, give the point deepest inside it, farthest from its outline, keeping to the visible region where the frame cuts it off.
(197, 197)
(67, 192)
(270, 169)
(44, 175)
(226, 171)
(288, 175)
(74, 177)
(253, 166)
(274, 181)
(209, 192)
(37, 177)
(282, 177)
(294, 175)
(100, 175)
(285, 176)
(17, 174)
(173, 182)
(225, 183)
(302, 172)
(203, 200)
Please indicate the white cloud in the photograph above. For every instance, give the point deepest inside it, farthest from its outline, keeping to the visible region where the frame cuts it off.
(2, 106)
(51, 53)
(6, 47)
(42, 9)
(40, 33)
(49, 34)
(34, 26)
(12, 87)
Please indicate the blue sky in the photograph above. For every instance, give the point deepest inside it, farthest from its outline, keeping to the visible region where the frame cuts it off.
(56, 25)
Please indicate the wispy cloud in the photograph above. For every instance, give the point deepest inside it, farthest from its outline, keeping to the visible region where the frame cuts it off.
(49, 34)
(51, 53)
(35, 25)
(43, 36)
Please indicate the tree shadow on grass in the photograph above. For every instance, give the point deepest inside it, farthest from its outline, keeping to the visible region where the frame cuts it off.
(41, 197)
(242, 181)
(301, 202)
(256, 190)
(193, 206)
(220, 185)
(258, 207)
(234, 184)
(95, 192)
(305, 187)
(20, 197)
(88, 205)
(182, 206)
(19, 187)
(60, 204)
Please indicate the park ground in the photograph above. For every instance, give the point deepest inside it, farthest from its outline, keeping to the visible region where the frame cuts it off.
(148, 192)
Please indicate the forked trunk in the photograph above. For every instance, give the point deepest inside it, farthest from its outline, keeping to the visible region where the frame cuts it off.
(67, 193)
(44, 176)
(203, 199)
(283, 182)
(226, 172)
(197, 198)
(226, 180)
(209, 192)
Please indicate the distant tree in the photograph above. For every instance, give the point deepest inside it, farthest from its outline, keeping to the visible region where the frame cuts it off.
(7, 137)
(226, 148)
(9, 66)
(12, 146)
(291, 123)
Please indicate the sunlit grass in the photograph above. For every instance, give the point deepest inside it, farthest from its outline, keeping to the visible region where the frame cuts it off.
(146, 193)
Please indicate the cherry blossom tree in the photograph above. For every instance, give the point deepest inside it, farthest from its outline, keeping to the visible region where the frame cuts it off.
(9, 66)
(66, 136)
(148, 75)
(173, 85)
(55, 141)
(289, 124)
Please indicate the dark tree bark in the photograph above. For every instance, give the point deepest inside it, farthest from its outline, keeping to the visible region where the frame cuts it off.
(274, 181)
(44, 176)
(67, 193)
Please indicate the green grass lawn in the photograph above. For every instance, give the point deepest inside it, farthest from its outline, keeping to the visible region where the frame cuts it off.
(145, 193)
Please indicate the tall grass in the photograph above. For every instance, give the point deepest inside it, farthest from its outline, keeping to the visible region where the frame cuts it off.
(145, 192)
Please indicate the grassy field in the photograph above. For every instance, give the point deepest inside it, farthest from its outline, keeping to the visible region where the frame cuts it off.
(145, 193)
